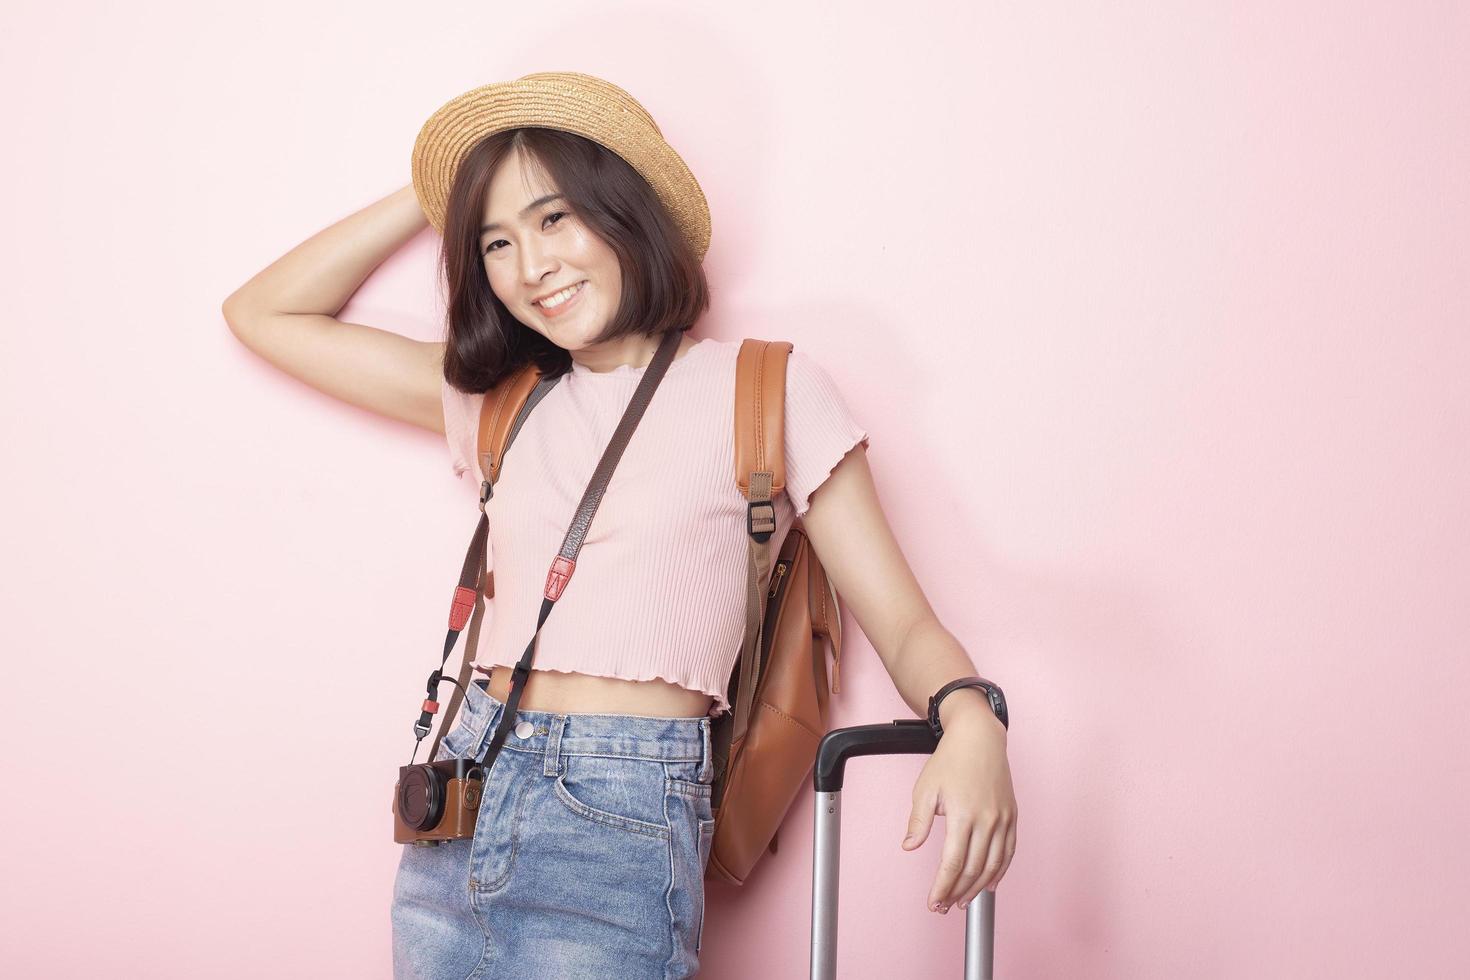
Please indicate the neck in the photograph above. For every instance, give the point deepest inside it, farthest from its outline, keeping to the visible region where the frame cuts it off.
(634, 352)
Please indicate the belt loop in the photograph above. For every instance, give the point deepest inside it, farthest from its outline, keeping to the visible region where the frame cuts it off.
(492, 722)
(551, 764)
(706, 764)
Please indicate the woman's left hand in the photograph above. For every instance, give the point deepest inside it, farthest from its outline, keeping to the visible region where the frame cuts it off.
(967, 779)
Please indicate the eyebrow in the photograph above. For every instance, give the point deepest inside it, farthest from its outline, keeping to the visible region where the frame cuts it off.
(495, 225)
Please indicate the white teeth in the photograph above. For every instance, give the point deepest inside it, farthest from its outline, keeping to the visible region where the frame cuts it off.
(556, 299)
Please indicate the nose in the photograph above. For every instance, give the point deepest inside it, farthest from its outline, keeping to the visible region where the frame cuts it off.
(537, 266)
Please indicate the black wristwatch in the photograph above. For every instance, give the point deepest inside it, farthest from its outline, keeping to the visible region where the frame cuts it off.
(993, 694)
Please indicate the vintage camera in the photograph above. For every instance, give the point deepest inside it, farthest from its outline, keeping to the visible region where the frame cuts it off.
(434, 802)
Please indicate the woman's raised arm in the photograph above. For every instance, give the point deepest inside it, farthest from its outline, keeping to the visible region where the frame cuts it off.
(286, 313)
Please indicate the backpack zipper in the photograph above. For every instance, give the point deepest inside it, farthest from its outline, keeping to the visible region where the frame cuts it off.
(773, 605)
(776, 577)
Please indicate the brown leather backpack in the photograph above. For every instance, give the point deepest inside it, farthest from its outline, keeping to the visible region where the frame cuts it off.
(765, 746)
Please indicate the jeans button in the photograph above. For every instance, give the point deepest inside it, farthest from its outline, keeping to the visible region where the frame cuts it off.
(524, 729)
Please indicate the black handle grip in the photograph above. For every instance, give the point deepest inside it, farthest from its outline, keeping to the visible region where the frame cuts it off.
(904, 736)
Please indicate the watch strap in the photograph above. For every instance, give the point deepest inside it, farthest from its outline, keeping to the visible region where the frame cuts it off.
(993, 697)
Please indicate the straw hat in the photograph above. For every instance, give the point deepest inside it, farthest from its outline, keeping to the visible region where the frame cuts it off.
(570, 101)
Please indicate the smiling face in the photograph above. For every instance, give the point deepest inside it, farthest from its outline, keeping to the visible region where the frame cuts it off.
(535, 247)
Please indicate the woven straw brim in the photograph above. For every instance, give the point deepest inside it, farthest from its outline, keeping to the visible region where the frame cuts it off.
(571, 101)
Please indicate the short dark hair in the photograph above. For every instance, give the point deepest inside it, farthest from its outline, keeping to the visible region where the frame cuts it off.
(663, 283)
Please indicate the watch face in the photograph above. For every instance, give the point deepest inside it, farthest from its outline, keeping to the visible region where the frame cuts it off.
(1001, 711)
(997, 700)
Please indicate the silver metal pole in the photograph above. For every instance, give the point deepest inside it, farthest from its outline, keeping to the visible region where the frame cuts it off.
(980, 937)
(825, 853)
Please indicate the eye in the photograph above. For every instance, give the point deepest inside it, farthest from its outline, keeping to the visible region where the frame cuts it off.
(555, 214)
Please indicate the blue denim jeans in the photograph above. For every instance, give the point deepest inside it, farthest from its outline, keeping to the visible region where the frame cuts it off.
(588, 857)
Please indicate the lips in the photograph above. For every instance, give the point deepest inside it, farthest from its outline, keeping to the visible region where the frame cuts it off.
(565, 306)
(575, 285)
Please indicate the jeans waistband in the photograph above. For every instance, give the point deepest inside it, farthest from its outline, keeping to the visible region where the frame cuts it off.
(555, 734)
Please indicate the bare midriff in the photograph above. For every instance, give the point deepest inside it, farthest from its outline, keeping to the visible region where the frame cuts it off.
(572, 693)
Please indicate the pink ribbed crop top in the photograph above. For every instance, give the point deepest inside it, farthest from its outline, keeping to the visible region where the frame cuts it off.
(659, 590)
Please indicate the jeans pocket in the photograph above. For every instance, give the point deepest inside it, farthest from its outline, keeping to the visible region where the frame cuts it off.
(706, 842)
(688, 806)
(622, 793)
(455, 741)
(702, 794)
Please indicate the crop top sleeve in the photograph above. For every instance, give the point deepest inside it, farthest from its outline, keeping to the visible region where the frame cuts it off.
(461, 428)
(819, 428)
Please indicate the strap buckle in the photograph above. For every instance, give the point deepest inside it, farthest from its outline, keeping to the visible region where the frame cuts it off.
(766, 520)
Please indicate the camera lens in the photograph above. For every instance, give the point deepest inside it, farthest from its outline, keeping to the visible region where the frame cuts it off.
(421, 797)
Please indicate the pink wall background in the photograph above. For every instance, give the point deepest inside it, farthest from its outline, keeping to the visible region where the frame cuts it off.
(1157, 317)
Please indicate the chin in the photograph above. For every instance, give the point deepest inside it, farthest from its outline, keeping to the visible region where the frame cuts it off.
(579, 344)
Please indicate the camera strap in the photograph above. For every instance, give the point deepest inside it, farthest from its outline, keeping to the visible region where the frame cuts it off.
(469, 595)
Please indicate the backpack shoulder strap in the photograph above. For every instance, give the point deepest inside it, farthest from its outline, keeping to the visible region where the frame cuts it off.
(504, 411)
(760, 412)
(502, 414)
(760, 473)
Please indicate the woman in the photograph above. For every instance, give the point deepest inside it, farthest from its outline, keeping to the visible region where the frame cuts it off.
(573, 237)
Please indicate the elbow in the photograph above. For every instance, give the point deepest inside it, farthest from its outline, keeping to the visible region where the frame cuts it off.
(232, 317)
(233, 304)
(238, 311)
(230, 308)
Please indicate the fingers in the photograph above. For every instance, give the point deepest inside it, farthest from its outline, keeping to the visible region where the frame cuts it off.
(920, 820)
(976, 856)
(977, 846)
(954, 863)
(1010, 852)
(1001, 848)
(994, 861)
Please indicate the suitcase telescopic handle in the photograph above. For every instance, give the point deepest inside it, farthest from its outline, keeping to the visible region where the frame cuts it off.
(904, 736)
